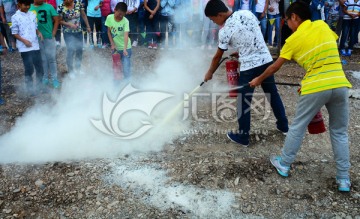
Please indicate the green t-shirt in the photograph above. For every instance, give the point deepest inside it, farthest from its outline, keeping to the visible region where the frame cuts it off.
(118, 29)
(44, 14)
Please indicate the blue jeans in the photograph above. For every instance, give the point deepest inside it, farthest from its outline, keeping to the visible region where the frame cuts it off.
(32, 59)
(337, 104)
(74, 50)
(349, 30)
(245, 96)
(141, 25)
(126, 63)
(277, 29)
(48, 58)
(263, 22)
(0, 77)
(104, 30)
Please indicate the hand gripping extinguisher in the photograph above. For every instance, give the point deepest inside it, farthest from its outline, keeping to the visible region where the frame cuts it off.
(317, 126)
(117, 66)
(232, 75)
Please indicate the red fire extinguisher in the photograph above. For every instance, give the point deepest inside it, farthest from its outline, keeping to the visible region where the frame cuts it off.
(117, 66)
(317, 126)
(232, 76)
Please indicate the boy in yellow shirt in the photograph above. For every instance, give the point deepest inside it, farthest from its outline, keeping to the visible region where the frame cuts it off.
(313, 46)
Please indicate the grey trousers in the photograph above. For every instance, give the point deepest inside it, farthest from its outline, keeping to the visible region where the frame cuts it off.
(337, 104)
(48, 58)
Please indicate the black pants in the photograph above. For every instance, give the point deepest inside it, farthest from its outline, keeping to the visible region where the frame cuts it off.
(32, 59)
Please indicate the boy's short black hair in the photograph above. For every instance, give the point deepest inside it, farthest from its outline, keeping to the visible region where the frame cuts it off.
(25, 2)
(299, 8)
(121, 6)
(214, 7)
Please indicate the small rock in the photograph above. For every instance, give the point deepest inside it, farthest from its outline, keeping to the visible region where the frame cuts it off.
(16, 190)
(39, 182)
(71, 174)
(237, 181)
(7, 211)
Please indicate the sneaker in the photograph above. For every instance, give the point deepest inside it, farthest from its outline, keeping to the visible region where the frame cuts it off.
(45, 81)
(349, 52)
(2, 101)
(104, 46)
(283, 132)
(150, 46)
(343, 185)
(357, 46)
(91, 46)
(237, 139)
(154, 46)
(99, 45)
(281, 169)
(135, 43)
(343, 52)
(57, 44)
(55, 84)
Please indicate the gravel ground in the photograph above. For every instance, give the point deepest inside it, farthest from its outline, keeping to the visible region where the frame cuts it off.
(198, 173)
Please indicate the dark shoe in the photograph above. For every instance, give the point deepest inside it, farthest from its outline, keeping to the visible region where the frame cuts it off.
(236, 138)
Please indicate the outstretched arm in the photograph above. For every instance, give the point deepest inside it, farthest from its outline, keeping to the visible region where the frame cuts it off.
(268, 72)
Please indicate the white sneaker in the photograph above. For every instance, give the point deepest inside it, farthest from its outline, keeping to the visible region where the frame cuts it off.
(58, 44)
(135, 43)
(357, 46)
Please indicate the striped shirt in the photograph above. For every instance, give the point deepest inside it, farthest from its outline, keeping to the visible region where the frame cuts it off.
(313, 46)
(352, 7)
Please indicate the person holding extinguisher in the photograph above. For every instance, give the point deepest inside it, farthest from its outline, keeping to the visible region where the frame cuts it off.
(313, 46)
(241, 31)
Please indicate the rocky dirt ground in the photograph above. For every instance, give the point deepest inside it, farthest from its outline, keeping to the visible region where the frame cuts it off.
(200, 174)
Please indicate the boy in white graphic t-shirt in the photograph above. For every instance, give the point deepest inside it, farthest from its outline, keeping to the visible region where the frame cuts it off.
(24, 29)
(241, 31)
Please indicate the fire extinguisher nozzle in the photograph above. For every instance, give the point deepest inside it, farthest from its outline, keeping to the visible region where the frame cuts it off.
(201, 84)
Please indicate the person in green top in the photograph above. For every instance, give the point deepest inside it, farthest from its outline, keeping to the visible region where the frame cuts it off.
(48, 22)
(118, 32)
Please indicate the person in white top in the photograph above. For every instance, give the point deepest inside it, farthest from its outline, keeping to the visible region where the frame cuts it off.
(24, 29)
(241, 31)
(261, 10)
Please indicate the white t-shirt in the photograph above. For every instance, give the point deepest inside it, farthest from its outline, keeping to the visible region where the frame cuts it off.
(242, 31)
(25, 25)
(259, 7)
(245, 5)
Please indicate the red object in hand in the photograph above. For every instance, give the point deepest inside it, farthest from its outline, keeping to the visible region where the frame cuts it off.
(317, 126)
(232, 76)
(117, 66)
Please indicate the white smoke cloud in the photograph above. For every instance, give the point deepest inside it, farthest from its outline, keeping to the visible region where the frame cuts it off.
(62, 130)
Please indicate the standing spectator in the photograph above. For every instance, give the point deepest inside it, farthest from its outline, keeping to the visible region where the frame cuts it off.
(118, 31)
(261, 9)
(24, 29)
(46, 16)
(350, 26)
(7, 10)
(332, 8)
(58, 32)
(86, 35)
(166, 21)
(244, 5)
(152, 22)
(105, 11)
(316, 6)
(240, 30)
(313, 46)
(274, 18)
(94, 18)
(2, 42)
(209, 30)
(141, 24)
(132, 16)
(70, 12)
